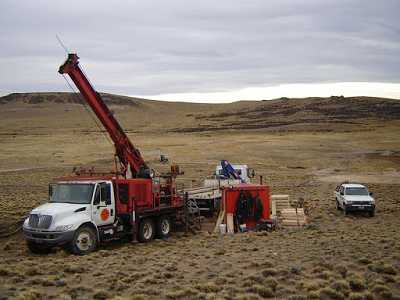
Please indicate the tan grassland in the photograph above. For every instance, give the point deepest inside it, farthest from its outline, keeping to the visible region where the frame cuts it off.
(302, 147)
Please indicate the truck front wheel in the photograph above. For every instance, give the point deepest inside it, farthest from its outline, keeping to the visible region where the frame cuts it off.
(84, 241)
(38, 248)
(346, 211)
(163, 227)
(337, 205)
(146, 231)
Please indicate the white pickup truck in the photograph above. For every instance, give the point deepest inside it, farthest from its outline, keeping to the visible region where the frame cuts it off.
(354, 197)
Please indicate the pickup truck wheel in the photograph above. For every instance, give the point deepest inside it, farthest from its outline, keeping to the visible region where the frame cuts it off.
(337, 205)
(84, 241)
(371, 213)
(346, 212)
(38, 248)
(146, 231)
(163, 227)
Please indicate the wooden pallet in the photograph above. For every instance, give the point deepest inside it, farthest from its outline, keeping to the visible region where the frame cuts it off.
(293, 217)
(278, 203)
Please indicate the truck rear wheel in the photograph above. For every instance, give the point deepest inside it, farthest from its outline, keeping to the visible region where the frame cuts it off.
(146, 230)
(163, 227)
(371, 213)
(38, 248)
(84, 241)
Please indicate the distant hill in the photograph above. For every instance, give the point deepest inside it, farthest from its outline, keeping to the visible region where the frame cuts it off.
(286, 112)
(36, 98)
(302, 114)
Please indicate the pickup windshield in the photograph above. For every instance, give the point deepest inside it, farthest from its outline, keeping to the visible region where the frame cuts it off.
(357, 191)
(76, 193)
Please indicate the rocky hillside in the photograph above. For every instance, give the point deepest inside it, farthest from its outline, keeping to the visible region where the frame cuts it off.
(315, 114)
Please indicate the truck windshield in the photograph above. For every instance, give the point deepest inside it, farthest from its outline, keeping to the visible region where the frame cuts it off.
(357, 191)
(77, 193)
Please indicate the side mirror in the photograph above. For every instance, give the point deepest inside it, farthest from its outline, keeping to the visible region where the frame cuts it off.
(371, 193)
(341, 193)
(51, 191)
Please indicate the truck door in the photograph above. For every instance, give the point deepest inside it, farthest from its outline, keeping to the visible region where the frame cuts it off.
(103, 212)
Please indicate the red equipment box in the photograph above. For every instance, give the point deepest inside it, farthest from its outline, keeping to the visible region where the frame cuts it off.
(249, 203)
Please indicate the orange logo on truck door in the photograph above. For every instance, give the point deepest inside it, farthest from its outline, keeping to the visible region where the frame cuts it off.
(104, 214)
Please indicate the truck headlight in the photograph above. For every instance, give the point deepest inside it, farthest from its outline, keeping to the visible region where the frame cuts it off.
(64, 227)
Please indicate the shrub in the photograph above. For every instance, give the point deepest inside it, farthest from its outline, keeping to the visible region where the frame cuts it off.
(383, 291)
(361, 296)
(269, 272)
(328, 293)
(260, 290)
(297, 297)
(208, 287)
(341, 286)
(356, 284)
(271, 282)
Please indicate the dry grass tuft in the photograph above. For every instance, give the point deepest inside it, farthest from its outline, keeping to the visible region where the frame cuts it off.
(101, 295)
(342, 270)
(313, 295)
(269, 272)
(330, 294)
(187, 293)
(252, 279)
(138, 297)
(260, 290)
(33, 271)
(208, 287)
(364, 261)
(361, 296)
(382, 291)
(356, 283)
(248, 296)
(297, 297)
(74, 269)
(341, 286)
(30, 295)
(5, 272)
(271, 283)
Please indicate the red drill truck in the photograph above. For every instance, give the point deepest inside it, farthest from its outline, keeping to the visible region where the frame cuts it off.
(88, 208)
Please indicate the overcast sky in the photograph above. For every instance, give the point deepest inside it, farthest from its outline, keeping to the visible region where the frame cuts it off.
(205, 50)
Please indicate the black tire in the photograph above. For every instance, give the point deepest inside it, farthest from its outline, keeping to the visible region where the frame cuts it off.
(338, 205)
(163, 227)
(346, 212)
(84, 241)
(38, 248)
(371, 213)
(147, 230)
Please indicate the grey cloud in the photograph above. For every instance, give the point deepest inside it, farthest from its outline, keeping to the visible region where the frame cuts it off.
(156, 47)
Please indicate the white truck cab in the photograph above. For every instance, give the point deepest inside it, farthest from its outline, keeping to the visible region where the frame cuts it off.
(208, 196)
(243, 170)
(354, 197)
(71, 217)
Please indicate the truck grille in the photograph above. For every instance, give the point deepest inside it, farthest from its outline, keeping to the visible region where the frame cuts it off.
(39, 221)
(362, 203)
